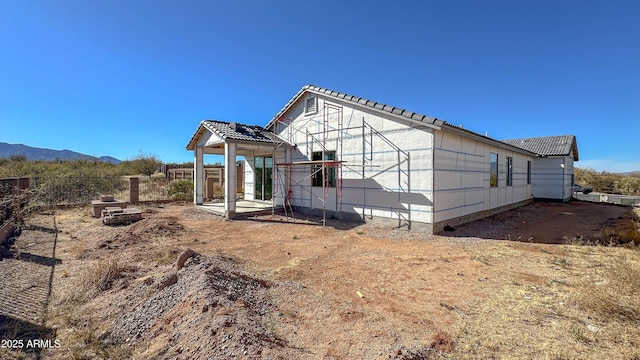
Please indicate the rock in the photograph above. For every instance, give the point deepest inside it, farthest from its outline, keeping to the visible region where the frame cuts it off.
(183, 258)
(168, 280)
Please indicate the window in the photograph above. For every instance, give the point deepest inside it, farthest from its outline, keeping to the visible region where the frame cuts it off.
(311, 105)
(316, 178)
(509, 171)
(493, 170)
(528, 172)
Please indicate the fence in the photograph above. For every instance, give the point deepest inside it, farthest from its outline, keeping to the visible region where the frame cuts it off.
(47, 191)
(214, 178)
(80, 190)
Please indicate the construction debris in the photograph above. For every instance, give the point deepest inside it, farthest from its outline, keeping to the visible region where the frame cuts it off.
(105, 202)
(116, 215)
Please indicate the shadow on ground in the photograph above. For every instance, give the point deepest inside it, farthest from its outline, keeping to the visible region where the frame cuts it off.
(551, 223)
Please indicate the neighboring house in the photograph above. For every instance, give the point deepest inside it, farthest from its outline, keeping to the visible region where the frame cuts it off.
(337, 155)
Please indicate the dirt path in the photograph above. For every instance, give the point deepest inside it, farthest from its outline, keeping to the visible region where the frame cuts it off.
(25, 284)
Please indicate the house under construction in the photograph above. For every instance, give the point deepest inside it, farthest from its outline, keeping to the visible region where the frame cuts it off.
(331, 154)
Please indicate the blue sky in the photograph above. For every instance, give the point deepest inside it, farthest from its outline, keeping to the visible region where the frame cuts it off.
(144, 73)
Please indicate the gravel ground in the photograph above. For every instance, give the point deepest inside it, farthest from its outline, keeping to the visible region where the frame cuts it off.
(227, 305)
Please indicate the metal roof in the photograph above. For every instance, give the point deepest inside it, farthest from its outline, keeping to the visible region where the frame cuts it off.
(561, 145)
(427, 120)
(233, 131)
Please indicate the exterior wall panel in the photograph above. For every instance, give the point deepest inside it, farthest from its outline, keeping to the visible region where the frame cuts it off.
(551, 178)
(462, 171)
(379, 180)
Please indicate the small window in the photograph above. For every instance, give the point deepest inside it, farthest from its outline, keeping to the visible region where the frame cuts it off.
(316, 177)
(493, 170)
(528, 172)
(509, 171)
(311, 105)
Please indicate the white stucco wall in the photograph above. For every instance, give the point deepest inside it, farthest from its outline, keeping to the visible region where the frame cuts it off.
(552, 178)
(249, 178)
(461, 176)
(382, 188)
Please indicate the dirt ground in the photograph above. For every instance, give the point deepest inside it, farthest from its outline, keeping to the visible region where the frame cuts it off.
(264, 288)
(550, 222)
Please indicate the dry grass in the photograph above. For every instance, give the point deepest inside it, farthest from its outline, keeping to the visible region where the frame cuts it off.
(521, 300)
(102, 275)
(581, 305)
(165, 256)
(612, 296)
(81, 284)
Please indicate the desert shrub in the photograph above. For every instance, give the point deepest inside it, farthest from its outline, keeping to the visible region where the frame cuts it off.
(180, 190)
(599, 181)
(628, 185)
(141, 165)
(627, 235)
(12, 167)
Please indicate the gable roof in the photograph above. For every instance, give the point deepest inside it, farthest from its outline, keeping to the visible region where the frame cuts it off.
(232, 131)
(541, 146)
(396, 111)
(561, 145)
(410, 115)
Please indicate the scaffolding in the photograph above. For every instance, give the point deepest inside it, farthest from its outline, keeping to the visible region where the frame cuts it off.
(283, 170)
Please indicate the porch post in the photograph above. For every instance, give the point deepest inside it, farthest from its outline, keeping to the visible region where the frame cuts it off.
(198, 175)
(230, 186)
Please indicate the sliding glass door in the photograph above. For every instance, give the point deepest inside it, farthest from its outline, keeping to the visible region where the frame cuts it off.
(263, 172)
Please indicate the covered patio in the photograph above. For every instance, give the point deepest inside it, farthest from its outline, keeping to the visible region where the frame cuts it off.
(231, 139)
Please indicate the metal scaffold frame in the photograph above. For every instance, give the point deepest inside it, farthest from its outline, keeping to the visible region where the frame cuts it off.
(283, 170)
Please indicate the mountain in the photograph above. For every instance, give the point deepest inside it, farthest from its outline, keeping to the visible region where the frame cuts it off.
(34, 153)
(109, 159)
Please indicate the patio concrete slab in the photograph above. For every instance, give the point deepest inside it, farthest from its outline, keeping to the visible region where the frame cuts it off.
(243, 208)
